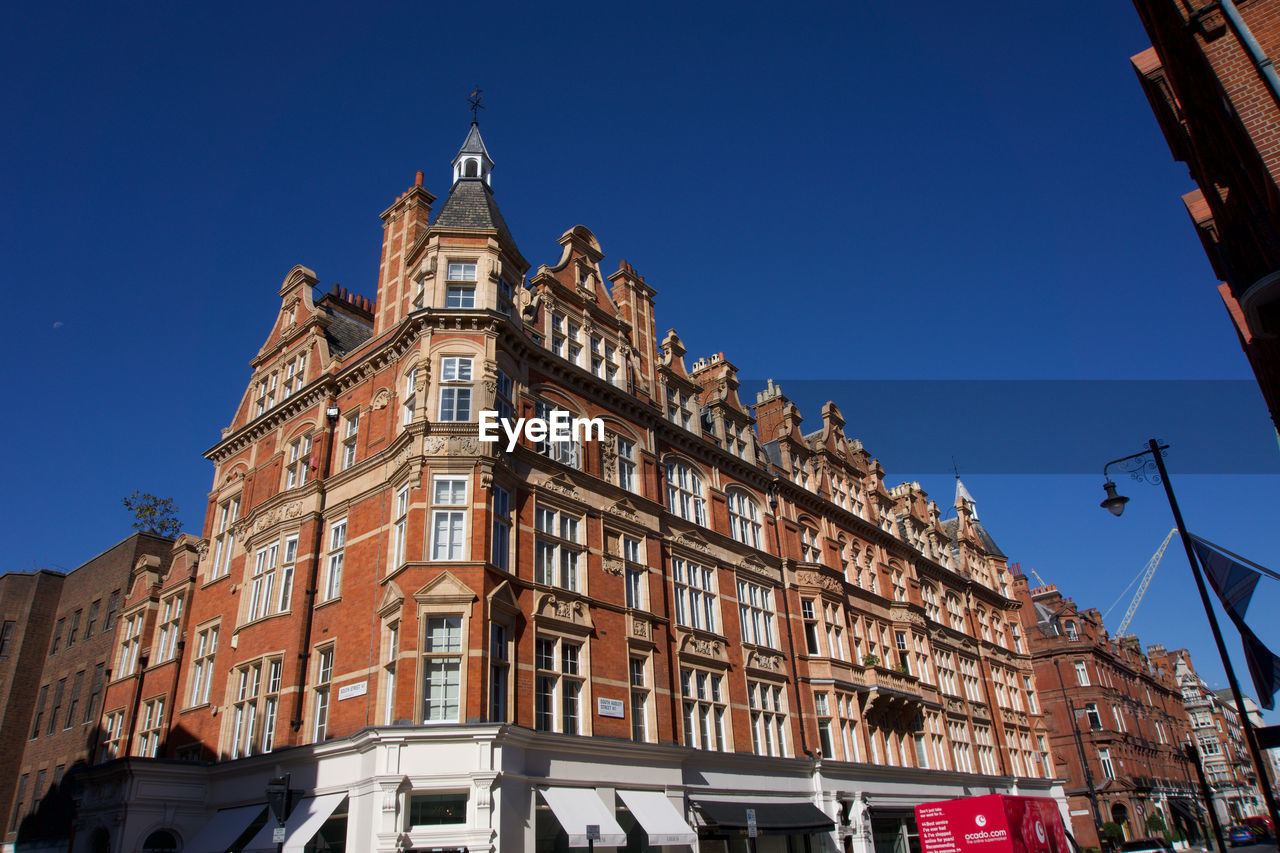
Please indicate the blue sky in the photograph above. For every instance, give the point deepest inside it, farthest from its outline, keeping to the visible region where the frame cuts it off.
(821, 191)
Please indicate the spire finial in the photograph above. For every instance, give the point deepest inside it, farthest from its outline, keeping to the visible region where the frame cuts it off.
(474, 100)
(955, 467)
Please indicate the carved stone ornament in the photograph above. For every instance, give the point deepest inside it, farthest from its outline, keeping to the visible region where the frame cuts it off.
(560, 485)
(451, 445)
(202, 549)
(760, 660)
(810, 578)
(389, 801)
(640, 629)
(622, 509)
(688, 540)
(612, 566)
(707, 648)
(381, 399)
(609, 458)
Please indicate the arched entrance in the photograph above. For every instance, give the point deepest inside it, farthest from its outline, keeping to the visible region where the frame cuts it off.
(1120, 814)
(160, 841)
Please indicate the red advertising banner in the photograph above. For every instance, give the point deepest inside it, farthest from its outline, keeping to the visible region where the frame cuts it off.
(996, 823)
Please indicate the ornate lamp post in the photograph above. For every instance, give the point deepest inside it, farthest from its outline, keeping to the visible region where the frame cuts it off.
(1152, 469)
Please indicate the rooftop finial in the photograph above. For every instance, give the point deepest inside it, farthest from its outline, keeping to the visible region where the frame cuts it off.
(474, 100)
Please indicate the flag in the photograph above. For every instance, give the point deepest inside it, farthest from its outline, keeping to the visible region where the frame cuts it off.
(1234, 583)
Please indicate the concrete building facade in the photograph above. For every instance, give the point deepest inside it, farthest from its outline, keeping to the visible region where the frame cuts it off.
(452, 643)
(1117, 710)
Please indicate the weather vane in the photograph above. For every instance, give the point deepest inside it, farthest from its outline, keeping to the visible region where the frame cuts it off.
(474, 100)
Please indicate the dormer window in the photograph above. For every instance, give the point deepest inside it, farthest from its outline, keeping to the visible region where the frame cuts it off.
(564, 339)
(679, 407)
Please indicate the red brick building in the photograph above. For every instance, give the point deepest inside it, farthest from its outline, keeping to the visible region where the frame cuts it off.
(60, 673)
(455, 643)
(1209, 78)
(1123, 710)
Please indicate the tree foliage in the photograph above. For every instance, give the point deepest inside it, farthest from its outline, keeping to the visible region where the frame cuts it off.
(153, 515)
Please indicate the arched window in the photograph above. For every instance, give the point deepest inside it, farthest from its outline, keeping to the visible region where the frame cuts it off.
(954, 614)
(930, 597)
(744, 518)
(684, 492)
(160, 841)
(472, 169)
(810, 550)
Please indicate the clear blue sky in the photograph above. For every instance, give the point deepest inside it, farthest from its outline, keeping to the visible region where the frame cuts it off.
(828, 192)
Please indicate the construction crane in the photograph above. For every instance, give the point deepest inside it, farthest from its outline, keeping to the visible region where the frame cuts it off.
(1039, 579)
(1146, 576)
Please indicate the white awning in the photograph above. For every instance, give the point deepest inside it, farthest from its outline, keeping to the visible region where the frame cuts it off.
(578, 808)
(660, 819)
(303, 823)
(224, 828)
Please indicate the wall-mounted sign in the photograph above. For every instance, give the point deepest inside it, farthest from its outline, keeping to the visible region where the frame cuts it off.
(610, 708)
(350, 691)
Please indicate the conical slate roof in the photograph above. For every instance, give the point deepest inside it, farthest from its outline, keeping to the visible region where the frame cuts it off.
(471, 207)
(473, 144)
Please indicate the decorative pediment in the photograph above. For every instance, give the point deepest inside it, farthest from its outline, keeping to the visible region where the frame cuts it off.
(708, 648)
(503, 599)
(445, 589)
(392, 600)
(561, 485)
(807, 577)
(624, 509)
(764, 661)
(759, 567)
(691, 539)
(564, 612)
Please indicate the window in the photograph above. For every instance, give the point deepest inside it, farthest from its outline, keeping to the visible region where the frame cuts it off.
(899, 586)
(73, 628)
(744, 518)
(401, 527)
(448, 525)
(149, 730)
(112, 735)
(900, 645)
(223, 541)
(286, 574)
(59, 691)
(810, 551)
(1209, 745)
(1082, 674)
(986, 754)
(88, 626)
(19, 801)
(679, 407)
(337, 550)
(437, 809)
(460, 296)
(825, 740)
(455, 393)
(635, 572)
(57, 637)
(960, 754)
(95, 691)
(557, 547)
(501, 554)
(558, 685)
(503, 396)
(129, 645)
(566, 452)
(1031, 694)
(266, 393)
(38, 717)
(202, 665)
(768, 718)
(499, 673)
(626, 464)
(74, 705)
(170, 628)
(930, 597)
(969, 675)
(442, 670)
(954, 614)
(1104, 758)
(350, 438)
(299, 461)
(1115, 712)
(809, 614)
(410, 405)
(462, 271)
(324, 679)
(295, 376)
(1091, 712)
(263, 581)
(639, 699)
(244, 726)
(704, 710)
(755, 611)
(1072, 633)
(695, 595)
(684, 493)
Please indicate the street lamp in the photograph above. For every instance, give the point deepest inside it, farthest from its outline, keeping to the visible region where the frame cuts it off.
(1152, 469)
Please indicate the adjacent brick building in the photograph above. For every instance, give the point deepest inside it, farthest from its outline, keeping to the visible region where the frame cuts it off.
(64, 678)
(452, 643)
(1217, 734)
(1102, 696)
(1209, 79)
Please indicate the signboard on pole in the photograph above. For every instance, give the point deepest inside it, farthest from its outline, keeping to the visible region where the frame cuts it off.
(752, 831)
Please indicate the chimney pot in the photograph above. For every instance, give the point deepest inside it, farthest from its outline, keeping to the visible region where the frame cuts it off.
(417, 179)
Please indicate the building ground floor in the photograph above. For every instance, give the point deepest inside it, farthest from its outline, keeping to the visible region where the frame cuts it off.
(504, 788)
(1139, 813)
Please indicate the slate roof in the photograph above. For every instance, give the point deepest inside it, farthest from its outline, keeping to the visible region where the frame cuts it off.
(951, 525)
(471, 207)
(344, 332)
(473, 144)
